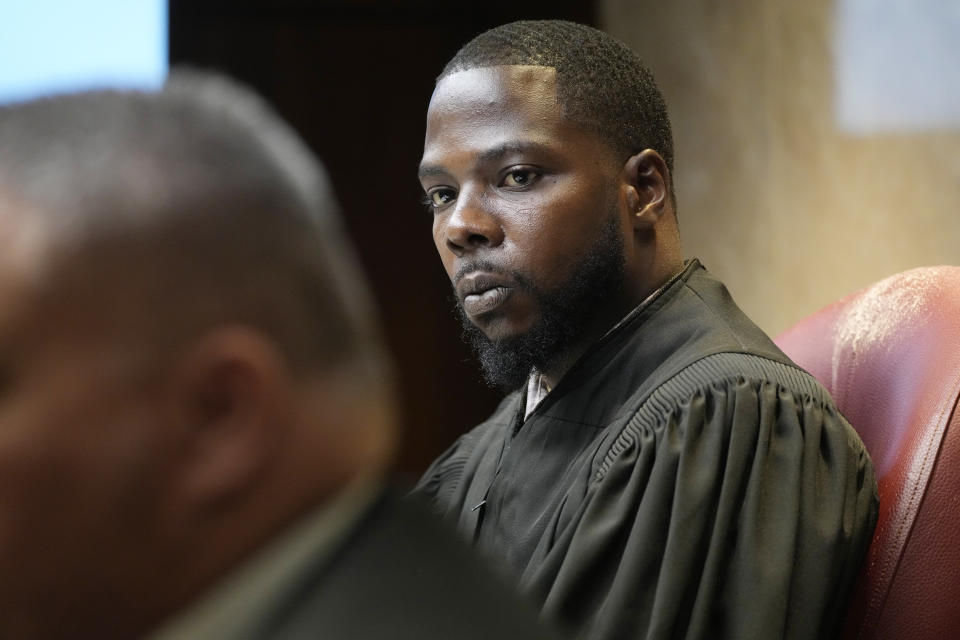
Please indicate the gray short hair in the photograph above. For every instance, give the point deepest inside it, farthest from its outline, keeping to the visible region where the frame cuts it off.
(230, 214)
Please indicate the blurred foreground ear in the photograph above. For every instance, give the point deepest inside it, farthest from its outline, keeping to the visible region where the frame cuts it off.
(232, 389)
(647, 180)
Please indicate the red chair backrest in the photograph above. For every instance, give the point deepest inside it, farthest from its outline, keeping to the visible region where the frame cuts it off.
(890, 356)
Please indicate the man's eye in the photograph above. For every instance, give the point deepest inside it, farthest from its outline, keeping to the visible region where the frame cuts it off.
(520, 178)
(440, 197)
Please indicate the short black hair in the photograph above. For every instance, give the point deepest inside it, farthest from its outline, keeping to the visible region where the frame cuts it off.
(602, 83)
(199, 205)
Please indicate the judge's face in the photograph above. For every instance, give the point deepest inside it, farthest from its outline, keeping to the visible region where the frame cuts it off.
(78, 446)
(521, 197)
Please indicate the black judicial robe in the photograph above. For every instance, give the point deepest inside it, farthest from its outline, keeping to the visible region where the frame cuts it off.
(684, 480)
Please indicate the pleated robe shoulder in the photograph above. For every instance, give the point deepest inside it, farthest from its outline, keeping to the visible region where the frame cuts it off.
(684, 480)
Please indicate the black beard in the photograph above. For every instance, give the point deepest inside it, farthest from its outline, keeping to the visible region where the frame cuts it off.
(565, 312)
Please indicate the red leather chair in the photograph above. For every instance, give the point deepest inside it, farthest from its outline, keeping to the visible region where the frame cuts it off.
(890, 356)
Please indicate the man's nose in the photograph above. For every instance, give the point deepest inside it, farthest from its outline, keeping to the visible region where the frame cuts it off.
(472, 225)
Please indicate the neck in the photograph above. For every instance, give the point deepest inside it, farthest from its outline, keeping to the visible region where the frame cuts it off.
(598, 326)
(603, 321)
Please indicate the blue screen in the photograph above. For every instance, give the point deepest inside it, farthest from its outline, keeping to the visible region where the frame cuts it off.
(53, 46)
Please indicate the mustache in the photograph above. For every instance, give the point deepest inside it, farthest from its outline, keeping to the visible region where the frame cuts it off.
(520, 280)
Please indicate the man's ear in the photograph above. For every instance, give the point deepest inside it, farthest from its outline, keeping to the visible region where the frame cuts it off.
(232, 393)
(647, 185)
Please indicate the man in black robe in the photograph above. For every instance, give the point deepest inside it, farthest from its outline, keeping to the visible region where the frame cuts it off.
(659, 469)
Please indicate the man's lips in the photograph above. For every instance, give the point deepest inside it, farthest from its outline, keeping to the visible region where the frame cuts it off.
(481, 292)
(477, 304)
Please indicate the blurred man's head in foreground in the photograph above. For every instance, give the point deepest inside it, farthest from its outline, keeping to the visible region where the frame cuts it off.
(187, 357)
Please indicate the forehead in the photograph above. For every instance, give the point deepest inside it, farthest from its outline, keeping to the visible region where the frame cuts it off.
(24, 237)
(39, 274)
(23, 245)
(518, 91)
(479, 109)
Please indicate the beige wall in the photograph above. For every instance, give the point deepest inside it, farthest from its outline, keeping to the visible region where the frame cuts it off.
(791, 212)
